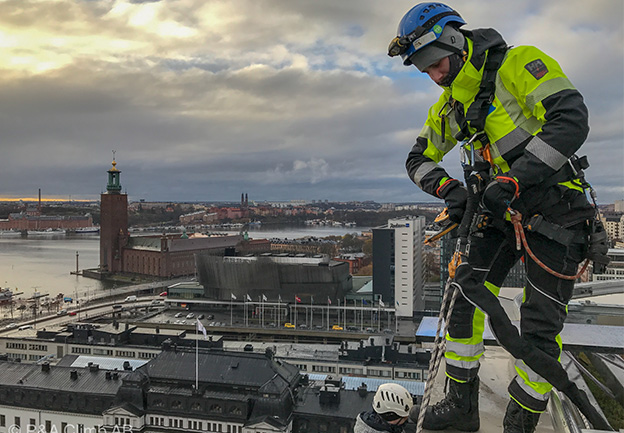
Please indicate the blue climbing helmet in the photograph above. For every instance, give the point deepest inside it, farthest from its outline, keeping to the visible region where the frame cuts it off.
(427, 33)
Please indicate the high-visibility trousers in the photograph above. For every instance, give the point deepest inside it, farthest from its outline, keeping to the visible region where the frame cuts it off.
(543, 311)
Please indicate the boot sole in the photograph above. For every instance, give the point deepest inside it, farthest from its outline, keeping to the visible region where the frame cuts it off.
(464, 427)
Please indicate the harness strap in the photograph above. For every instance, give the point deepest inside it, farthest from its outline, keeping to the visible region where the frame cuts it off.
(516, 219)
(555, 232)
(478, 110)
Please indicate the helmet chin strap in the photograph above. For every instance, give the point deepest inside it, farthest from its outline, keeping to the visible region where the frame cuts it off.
(456, 62)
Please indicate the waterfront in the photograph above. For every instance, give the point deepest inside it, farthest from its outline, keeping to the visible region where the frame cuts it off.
(44, 263)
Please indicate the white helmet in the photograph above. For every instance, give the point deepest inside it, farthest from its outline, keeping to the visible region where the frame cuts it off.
(391, 397)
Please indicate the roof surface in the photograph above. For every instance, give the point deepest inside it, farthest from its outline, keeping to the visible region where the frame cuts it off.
(574, 335)
(57, 378)
(216, 367)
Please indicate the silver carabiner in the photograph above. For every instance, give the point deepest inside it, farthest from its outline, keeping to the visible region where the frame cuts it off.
(470, 154)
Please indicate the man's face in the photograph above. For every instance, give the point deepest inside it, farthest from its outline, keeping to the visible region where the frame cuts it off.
(399, 421)
(438, 70)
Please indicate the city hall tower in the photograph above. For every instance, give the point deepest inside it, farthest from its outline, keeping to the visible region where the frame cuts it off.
(113, 222)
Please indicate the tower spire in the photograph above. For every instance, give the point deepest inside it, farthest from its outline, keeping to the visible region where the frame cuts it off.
(113, 186)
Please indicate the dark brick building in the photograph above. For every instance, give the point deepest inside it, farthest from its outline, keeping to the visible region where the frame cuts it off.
(160, 256)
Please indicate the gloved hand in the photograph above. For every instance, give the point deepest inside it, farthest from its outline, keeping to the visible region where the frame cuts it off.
(454, 195)
(499, 194)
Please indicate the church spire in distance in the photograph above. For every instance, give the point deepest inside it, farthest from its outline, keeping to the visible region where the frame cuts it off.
(113, 186)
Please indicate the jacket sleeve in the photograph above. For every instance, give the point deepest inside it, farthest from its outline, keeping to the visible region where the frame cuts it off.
(422, 161)
(540, 85)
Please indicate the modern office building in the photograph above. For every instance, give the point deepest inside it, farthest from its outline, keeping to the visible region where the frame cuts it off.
(398, 272)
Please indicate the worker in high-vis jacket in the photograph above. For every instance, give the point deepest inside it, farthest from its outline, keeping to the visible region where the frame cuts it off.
(515, 109)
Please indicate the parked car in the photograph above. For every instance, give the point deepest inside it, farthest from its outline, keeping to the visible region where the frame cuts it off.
(178, 315)
(288, 325)
(162, 294)
(61, 312)
(131, 298)
(25, 327)
(11, 326)
(210, 317)
(337, 328)
(72, 313)
(201, 316)
(190, 315)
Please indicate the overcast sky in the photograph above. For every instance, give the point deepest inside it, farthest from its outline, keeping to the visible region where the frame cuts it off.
(281, 99)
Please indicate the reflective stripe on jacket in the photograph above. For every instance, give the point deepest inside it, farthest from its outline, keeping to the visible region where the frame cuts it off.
(536, 122)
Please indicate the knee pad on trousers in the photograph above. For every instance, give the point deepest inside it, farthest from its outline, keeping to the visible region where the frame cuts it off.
(477, 294)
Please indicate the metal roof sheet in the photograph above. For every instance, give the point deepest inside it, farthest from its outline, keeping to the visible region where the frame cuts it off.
(104, 363)
(237, 369)
(574, 335)
(58, 378)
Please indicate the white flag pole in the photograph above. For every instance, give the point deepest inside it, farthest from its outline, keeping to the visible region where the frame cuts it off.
(196, 358)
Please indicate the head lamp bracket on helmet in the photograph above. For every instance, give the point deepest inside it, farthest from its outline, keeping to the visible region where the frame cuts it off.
(421, 34)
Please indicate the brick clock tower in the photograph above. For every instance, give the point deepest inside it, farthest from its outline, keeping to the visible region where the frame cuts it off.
(113, 223)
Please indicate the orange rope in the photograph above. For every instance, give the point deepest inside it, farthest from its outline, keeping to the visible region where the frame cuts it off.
(516, 219)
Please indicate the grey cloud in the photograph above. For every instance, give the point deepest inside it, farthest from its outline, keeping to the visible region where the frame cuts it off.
(284, 100)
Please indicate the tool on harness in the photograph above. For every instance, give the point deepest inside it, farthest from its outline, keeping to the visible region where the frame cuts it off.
(596, 236)
(447, 226)
(598, 246)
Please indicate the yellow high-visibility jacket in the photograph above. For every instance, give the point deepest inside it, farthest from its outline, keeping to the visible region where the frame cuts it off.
(536, 122)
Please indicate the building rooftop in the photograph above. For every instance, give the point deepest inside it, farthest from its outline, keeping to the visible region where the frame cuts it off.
(218, 367)
(58, 378)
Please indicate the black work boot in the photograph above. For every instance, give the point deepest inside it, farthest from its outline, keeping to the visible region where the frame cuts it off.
(459, 408)
(519, 420)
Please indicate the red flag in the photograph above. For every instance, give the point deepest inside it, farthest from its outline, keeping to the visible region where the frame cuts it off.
(297, 298)
(328, 300)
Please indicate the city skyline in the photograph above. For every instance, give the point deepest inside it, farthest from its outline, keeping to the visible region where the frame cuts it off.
(283, 100)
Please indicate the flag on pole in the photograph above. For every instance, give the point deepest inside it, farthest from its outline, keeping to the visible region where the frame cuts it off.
(249, 298)
(201, 328)
(381, 303)
(328, 300)
(297, 298)
(279, 298)
(311, 299)
(264, 298)
(233, 296)
(364, 302)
